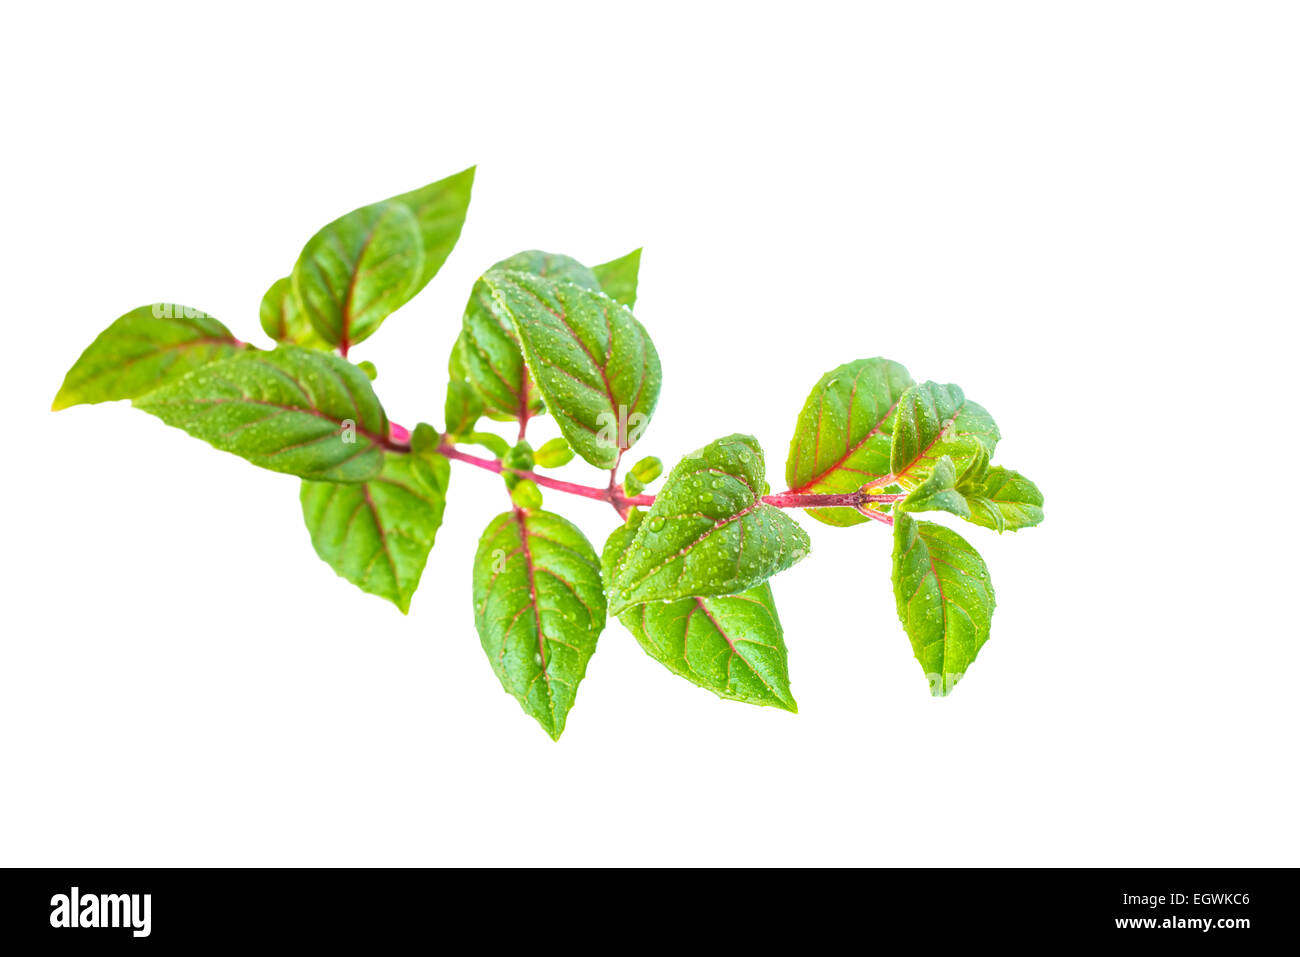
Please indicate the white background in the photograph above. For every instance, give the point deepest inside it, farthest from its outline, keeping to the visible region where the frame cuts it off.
(1085, 214)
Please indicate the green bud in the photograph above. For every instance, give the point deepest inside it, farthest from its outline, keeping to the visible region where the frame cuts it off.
(647, 470)
(424, 438)
(490, 441)
(632, 485)
(521, 458)
(369, 369)
(554, 453)
(526, 494)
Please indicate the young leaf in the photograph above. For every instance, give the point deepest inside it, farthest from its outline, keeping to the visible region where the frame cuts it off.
(439, 210)
(293, 410)
(283, 319)
(539, 608)
(938, 492)
(488, 348)
(709, 532)
(378, 534)
(358, 270)
(462, 407)
(1005, 500)
(618, 277)
(526, 494)
(647, 470)
(731, 645)
(593, 362)
(554, 453)
(841, 441)
(143, 350)
(945, 598)
(935, 420)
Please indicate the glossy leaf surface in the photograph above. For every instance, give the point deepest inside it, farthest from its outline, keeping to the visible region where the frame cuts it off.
(378, 534)
(944, 597)
(709, 532)
(935, 420)
(143, 350)
(294, 410)
(593, 362)
(842, 438)
(539, 608)
(732, 645)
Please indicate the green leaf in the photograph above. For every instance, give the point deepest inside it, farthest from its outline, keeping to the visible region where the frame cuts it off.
(647, 470)
(709, 532)
(143, 350)
(1005, 500)
(938, 492)
(488, 349)
(618, 277)
(294, 410)
(283, 319)
(490, 441)
(731, 645)
(945, 598)
(439, 210)
(378, 534)
(935, 420)
(554, 453)
(359, 270)
(593, 362)
(995, 498)
(519, 458)
(457, 367)
(841, 441)
(462, 407)
(526, 494)
(539, 608)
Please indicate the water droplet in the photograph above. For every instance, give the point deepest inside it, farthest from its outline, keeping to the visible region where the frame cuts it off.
(656, 523)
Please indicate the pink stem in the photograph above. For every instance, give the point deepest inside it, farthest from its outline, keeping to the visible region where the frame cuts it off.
(828, 500)
(399, 441)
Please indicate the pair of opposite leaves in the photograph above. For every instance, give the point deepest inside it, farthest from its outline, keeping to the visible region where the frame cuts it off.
(284, 409)
(344, 313)
(689, 578)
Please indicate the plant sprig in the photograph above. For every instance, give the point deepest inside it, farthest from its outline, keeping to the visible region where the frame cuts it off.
(687, 572)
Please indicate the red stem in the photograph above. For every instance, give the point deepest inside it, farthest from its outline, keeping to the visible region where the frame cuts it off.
(613, 493)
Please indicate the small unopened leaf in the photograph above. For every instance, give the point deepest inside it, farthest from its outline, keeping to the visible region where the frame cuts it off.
(358, 270)
(938, 492)
(935, 420)
(593, 362)
(618, 277)
(841, 441)
(539, 608)
(945, 598)
(144, 350)
(732, 645)
(709, 532)
(378, 534)
(294, 410)
(554, 453)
